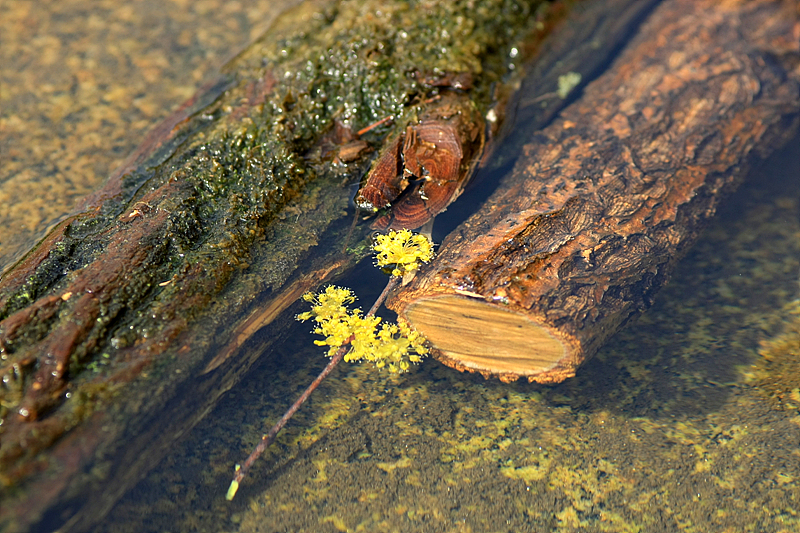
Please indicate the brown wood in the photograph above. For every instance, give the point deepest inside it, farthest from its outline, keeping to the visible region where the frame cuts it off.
(587, 228)
(439, 154)
(124, 326)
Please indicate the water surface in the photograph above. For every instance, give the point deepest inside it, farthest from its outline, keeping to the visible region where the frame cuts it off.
(687, 420)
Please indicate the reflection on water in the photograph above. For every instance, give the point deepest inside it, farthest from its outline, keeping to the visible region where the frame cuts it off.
(679, 424)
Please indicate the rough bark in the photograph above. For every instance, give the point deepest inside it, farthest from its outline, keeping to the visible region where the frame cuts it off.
(579, 238)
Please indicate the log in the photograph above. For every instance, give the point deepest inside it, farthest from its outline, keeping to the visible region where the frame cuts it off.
(138, 311)
(603, 202)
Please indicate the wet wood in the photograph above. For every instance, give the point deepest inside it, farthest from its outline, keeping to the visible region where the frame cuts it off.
(603, 201)
(426, 167)
(135, 314)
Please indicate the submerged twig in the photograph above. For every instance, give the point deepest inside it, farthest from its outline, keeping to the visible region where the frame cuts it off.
(354, 337)
(268, 438)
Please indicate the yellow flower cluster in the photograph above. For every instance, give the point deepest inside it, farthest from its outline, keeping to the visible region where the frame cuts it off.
(402, 251)
(394, 346)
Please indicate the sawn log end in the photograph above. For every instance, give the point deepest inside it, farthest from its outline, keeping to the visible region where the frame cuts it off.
(492, 339)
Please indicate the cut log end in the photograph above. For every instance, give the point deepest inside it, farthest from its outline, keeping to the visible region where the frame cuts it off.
(479, 336)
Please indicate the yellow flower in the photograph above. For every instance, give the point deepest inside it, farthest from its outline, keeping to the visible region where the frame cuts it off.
(392, 346)
(329, 311)
(402, 251)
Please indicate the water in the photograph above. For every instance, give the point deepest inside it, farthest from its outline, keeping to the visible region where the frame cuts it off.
(686, 420)
(83, 81)
(679, 423)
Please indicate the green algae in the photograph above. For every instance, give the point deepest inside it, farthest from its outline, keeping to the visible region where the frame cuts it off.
(777, 372)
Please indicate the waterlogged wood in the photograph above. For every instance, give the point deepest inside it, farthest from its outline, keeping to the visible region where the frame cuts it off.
(425, 169)
(604, 201)
(120, 330)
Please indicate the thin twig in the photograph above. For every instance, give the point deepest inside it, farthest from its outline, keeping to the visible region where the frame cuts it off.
(393, 281)
(374, 125)
(268, 438)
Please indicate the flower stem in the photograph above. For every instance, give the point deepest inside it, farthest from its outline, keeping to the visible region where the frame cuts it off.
(393, 281)
(268, 438)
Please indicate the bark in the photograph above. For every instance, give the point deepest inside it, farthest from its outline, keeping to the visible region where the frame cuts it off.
(601, 204)
(135, 314)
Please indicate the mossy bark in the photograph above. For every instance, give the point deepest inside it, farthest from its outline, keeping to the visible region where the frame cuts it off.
(239, 200)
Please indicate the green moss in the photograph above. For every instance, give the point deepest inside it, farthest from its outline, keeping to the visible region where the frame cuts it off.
(240, 162)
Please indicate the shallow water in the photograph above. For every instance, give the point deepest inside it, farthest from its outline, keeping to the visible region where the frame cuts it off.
(686, 421)
(680, 423)
(83, 81)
